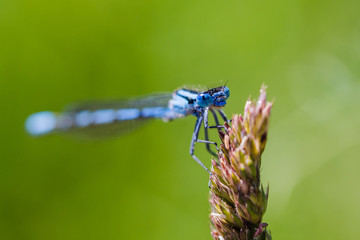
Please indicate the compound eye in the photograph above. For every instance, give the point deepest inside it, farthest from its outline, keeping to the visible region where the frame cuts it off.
(204, 100)
(227, 92)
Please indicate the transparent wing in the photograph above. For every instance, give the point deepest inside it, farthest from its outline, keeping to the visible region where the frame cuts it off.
(157, 100)
(100, 122)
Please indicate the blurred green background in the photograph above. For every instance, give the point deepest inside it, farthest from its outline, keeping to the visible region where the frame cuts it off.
(145, 185)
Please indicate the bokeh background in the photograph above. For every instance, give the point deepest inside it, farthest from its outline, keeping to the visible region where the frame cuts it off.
(145, 185)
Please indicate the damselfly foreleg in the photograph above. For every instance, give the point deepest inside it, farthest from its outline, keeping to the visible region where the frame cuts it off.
(223, 116)
(206, 127)
(208, 144)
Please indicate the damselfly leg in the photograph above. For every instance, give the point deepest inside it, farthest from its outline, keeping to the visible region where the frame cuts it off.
(205, 117)
(223, 116)
(215, 117)
(194, 139)
(206, 133)
(208, 144)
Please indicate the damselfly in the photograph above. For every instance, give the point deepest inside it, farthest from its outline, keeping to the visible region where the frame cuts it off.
(97, 119)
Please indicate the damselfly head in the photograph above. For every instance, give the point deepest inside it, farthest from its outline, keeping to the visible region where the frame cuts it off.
(215, 97)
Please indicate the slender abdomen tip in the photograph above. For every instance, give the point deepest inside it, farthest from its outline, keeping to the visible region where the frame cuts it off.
(40, 123)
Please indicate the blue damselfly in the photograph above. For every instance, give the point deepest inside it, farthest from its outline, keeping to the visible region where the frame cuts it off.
(98, 119)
